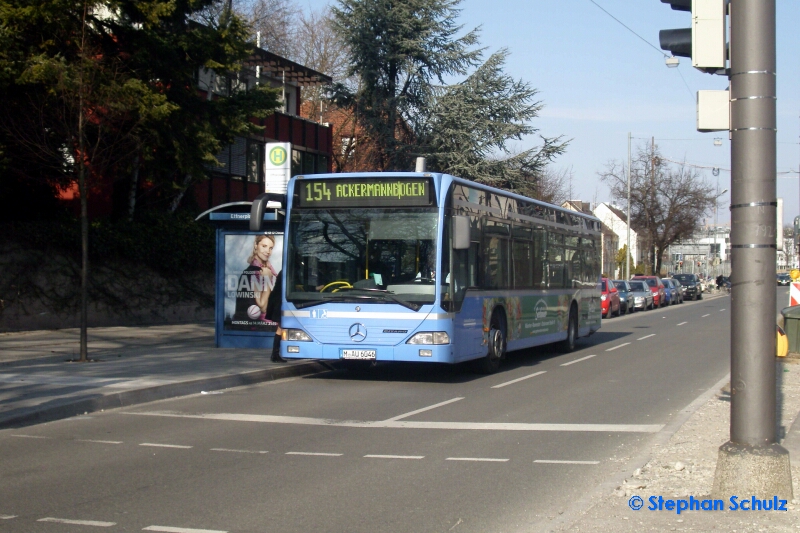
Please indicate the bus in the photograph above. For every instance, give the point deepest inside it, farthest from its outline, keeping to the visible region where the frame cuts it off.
(428, 267)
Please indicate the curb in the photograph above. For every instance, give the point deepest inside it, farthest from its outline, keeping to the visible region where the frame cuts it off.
(93, 401)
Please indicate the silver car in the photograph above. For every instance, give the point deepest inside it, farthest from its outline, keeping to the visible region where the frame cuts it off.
(641, 295)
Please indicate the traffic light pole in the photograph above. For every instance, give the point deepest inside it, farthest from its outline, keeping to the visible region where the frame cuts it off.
(752, 462)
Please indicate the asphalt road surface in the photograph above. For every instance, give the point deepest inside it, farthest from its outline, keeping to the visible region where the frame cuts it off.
(397, 448)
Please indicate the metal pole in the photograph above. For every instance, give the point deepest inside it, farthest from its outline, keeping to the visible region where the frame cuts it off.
(752, 462)
(753, 212)
(628, 250)
(716, 223)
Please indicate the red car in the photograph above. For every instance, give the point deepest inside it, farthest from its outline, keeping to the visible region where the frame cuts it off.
(609, 298)
(656, 287)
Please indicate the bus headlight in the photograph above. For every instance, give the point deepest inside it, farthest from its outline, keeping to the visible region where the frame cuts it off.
(430, 337)
(297, 335)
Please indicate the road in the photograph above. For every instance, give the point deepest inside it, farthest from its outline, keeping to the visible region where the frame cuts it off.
(393, 449)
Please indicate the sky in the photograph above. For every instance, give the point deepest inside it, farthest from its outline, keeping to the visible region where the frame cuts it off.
(599, 82)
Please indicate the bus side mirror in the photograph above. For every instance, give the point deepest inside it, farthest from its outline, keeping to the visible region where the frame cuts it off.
(260, 205)
(460, 233)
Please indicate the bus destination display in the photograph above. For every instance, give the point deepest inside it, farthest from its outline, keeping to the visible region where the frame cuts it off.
(363, 192)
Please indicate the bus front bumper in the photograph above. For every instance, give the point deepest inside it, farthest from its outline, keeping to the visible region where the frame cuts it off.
(426, 353)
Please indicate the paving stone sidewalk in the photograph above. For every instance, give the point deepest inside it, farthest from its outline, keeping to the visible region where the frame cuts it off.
(39, 381)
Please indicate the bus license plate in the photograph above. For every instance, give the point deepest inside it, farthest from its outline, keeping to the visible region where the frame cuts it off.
(358, 354)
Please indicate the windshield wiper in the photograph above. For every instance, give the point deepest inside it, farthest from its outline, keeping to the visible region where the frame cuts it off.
(386, 294)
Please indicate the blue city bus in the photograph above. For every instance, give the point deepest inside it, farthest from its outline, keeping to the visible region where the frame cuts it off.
(428, 267)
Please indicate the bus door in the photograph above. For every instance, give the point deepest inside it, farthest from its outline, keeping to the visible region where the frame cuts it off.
(460, 293)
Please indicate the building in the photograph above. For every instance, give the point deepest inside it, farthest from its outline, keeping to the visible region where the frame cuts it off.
(617, 223)
(240, 176)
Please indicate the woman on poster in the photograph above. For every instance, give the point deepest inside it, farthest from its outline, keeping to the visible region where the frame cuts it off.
(260, 277)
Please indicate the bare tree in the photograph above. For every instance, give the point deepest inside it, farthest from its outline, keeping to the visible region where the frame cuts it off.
(319, 47)
(668, 201)
(553, 185)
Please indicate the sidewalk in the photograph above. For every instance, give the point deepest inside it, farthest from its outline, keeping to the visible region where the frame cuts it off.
(129, 366)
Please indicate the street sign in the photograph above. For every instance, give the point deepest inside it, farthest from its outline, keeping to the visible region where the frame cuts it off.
(277, 167)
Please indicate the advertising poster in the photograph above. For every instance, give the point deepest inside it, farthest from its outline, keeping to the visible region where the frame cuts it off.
(252, 264)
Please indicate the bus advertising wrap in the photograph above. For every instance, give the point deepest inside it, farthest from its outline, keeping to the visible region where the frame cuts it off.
(252, 264)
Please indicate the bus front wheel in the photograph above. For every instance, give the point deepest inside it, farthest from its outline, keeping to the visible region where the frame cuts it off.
(497, 346)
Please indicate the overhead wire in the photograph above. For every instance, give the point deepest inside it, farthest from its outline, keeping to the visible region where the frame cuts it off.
(648, 43)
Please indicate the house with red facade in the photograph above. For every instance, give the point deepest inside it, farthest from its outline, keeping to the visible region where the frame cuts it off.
(240, 174)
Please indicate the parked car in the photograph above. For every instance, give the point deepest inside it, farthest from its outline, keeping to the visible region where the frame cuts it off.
(692, 284)
(656, 287)
(784, 279)
(625, 299)
(670, 292)
(609, 299)
(641, 295)
(681, 290)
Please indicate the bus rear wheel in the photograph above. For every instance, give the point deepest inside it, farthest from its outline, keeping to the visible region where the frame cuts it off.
(568, 344)
(497, 346)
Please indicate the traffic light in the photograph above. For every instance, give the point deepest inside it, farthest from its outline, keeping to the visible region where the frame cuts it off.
(704, 42)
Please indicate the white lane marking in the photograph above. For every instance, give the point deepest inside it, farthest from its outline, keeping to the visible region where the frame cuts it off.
(646, 337)
(519, 379)
(165, 445)
(557, 462)
(722, 309)
(619, 346)
(404, 415)
(395, 456)
(401, 424)
(682, 323)
(167, 529)
(705, 315)
(30, 437)
(100, 441)
(236, 451)
(321, 454)
(78, 522)
(579, 360)
(7, 516)
(478, 459)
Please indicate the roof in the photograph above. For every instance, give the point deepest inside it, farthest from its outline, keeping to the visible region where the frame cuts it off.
(278, 67)
(622, 216)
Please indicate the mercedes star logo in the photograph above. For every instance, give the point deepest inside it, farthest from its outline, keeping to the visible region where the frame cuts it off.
(358, 332)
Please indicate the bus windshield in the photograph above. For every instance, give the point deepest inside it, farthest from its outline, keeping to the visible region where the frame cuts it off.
(372, 255)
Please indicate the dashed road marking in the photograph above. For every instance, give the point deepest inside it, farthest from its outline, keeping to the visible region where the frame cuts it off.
(30, 437)
(320, 454)
(402, 424)
(523, 378)
(618, 346)
(682, 323)
(7, 516)
(165, 445)
(78, 522)
(167, 529)
(477, 459)
(558, 462)
(371, 456)
(100, 441)
(404, 415)
(578, 360)
(646, 337)
(705, 315)
(722, 309)
(236, 451)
